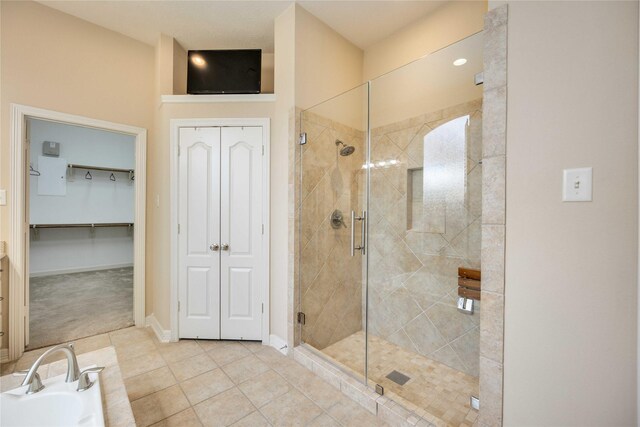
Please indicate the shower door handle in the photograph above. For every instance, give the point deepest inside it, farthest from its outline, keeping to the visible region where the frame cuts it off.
(363, 228)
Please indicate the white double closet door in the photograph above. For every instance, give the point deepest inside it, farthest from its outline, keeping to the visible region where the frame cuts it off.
(220, 233)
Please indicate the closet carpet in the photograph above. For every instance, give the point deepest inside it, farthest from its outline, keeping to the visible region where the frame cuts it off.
(66, 307)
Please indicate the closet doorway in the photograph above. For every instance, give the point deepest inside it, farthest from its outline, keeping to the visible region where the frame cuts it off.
(81, 272)
(220, 185)
(81, 222)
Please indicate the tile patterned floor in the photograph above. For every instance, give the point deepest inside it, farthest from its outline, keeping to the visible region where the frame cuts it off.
(217, 383)
(64, 307)
(440, 390)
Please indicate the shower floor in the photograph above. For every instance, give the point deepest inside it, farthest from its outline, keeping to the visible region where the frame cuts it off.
(434, 387)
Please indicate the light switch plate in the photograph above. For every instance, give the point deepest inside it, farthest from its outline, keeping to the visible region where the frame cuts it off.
(3, 197)
(577, 185)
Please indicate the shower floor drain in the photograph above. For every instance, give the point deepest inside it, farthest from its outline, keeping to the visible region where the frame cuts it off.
(398, 377)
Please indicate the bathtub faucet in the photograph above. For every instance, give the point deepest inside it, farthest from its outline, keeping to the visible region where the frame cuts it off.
(73, 372)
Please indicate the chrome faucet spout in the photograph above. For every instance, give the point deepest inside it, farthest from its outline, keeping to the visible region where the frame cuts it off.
(73, 371)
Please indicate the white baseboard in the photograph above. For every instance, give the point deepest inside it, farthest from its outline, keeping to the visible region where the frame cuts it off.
(279, 344)
(163, 335)
(4, 355)
(78, 270)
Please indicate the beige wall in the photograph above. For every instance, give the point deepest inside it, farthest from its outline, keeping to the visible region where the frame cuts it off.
(54, 61)
(268, 64)
(179, 69)
(447, 24)
(326, 64)
(571, 281)
(282, 209)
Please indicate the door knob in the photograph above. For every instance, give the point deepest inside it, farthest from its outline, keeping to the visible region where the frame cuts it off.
(214, 247)
(225, 247)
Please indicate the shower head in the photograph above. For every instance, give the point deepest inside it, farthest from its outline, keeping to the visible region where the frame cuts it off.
(346, 150)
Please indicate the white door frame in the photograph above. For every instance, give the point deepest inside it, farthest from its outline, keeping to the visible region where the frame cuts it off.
(19, 228)
(175, 125)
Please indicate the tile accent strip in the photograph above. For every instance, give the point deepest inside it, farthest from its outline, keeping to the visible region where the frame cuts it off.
(493, 216)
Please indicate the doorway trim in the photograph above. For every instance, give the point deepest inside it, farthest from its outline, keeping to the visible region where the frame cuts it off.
(175, 125)
(19, 226)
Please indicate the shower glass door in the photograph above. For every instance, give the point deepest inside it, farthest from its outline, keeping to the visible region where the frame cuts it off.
(390, 210)
(332, 191)
(425, 215)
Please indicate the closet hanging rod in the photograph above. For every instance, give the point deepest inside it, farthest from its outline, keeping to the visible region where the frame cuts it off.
(99, 168)
(104, 224)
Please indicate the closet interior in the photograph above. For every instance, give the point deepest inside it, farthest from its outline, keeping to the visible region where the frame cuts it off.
(81, 221)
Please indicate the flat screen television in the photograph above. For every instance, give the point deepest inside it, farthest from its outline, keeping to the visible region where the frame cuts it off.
(224, 71)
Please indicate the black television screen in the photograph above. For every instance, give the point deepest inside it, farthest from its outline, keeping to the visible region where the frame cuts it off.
(224, 71)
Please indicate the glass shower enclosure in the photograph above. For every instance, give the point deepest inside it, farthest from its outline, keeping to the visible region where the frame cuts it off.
(390, 206)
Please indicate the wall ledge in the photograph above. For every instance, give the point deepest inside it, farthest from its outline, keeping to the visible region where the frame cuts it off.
(214, 99)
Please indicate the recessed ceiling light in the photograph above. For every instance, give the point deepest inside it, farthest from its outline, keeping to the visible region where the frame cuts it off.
(198, 60)
(460, 61)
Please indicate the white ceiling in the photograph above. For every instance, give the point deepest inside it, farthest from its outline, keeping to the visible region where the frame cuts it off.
(242, 24)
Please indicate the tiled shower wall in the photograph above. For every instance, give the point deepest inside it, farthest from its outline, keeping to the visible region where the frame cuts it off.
(331, 280)
(413, 262)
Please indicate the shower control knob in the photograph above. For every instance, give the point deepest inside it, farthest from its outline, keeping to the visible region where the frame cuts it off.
(214, 247)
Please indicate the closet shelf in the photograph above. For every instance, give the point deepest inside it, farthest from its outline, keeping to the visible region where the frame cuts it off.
(99, 168)
(104, 224)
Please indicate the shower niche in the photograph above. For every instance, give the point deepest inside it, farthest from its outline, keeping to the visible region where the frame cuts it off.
(389, 198)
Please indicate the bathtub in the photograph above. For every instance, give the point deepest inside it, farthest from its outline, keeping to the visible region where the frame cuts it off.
(58, 404)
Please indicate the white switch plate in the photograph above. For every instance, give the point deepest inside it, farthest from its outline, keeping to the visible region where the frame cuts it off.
(3, 197)
(577, 185)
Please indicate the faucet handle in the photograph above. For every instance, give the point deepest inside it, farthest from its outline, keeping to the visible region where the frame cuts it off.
(35, 385)
(84, 383)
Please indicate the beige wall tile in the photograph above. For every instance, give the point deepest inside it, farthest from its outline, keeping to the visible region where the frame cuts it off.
(494, 126)
(495, 57)
(493, 190)
(493, 240)
(495, 17)
(492, 326)
(490, 392)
